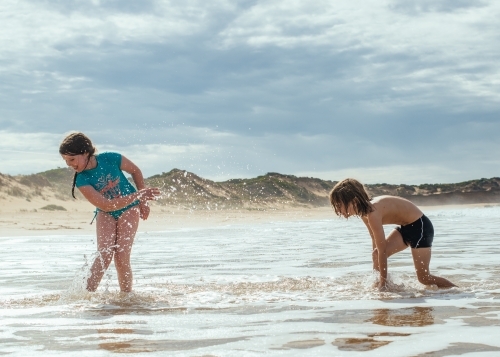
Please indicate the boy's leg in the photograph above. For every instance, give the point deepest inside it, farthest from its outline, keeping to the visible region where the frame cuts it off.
(422, 259)
(394, 243)
(106, 239)
(128, 223)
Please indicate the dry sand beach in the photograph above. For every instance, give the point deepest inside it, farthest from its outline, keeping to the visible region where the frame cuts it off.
(41, 204)
(18, 218)
(21, 218)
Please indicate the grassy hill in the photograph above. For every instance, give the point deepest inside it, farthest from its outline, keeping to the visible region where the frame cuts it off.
(269, 191)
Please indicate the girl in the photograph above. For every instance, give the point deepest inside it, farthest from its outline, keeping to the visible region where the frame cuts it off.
(349, 198)
(118, 204)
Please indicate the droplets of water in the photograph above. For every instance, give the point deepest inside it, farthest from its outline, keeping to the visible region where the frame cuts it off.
(77, 289)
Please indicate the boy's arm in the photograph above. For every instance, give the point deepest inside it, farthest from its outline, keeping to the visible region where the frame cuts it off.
(374, 247)
(375, 223)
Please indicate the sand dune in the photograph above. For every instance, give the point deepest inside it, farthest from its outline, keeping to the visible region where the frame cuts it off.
(42, 204)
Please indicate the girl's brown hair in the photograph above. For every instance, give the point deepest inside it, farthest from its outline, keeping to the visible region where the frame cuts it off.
(350, 191)
(76, 144)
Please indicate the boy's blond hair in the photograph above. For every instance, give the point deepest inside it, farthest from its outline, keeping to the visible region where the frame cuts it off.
(350, 191)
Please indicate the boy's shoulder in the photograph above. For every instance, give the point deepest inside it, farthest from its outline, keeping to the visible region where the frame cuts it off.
(384, 197)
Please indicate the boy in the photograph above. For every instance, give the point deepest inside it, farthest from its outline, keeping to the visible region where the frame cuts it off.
(349, 198)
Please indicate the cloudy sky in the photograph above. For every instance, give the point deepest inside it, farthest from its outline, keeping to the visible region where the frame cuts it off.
(397, 91)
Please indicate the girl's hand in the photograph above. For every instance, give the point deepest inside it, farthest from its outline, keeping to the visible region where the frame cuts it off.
(144, 210)
(149, 194)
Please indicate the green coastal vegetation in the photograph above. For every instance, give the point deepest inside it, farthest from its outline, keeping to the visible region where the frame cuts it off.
(53, 208)
(272, 190)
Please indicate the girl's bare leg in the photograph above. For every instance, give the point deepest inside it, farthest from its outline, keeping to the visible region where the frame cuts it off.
(106, 240)
(126, 229)
(422, 259)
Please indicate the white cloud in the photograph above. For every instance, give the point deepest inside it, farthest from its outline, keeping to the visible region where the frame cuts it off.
(236, 89)
(29, 153)
(34, 30)
(422, 55)
(301, 23)
(391, 174)
(222, 156)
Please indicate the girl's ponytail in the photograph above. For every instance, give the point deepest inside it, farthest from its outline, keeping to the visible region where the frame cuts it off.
(74, 184)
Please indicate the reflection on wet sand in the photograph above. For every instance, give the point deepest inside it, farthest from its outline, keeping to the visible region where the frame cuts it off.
(121, 340)
(140, 345)
(388, 334)
(123, 347)
(358, 344)
(119, 346)
(414, 317)
(365, 344)
(304, 344)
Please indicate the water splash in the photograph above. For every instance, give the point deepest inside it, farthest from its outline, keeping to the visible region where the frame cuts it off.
(77, 289)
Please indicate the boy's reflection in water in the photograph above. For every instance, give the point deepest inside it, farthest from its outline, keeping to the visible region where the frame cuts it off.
(415, 317)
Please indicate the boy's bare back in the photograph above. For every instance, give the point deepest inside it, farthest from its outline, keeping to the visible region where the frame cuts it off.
(395, 210)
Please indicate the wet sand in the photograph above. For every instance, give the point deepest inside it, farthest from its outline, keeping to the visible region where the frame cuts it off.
(292, 282)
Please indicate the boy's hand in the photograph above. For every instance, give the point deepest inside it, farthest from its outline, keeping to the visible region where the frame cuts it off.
(144, 210)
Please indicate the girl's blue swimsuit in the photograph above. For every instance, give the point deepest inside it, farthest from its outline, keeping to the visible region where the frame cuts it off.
(108, 179)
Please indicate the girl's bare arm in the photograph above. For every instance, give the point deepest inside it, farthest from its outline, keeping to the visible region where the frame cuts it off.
(107, 205)
(134, 171)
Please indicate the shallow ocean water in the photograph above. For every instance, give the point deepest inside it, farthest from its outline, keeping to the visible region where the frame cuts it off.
(272, 289)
